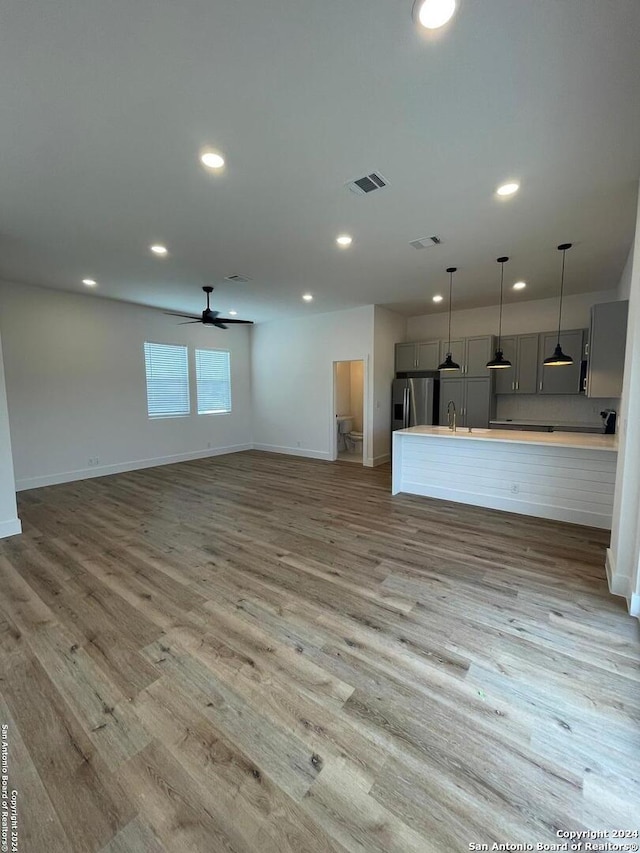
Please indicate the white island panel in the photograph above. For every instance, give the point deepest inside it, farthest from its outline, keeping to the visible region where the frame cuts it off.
(552, 477)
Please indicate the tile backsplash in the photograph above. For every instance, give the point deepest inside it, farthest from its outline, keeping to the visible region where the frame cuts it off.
(568, 409)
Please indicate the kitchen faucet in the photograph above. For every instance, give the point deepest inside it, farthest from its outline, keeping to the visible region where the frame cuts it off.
(451, 420)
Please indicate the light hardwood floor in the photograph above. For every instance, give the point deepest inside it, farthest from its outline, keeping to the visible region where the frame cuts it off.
(263, 654)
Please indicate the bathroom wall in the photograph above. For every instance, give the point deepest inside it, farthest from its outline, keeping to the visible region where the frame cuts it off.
(343, 388)
(356, 381)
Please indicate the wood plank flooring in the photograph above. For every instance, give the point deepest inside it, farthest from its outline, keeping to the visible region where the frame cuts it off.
(262, 653)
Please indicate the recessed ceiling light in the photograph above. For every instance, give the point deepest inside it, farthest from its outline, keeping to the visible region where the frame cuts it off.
(89, 282)
(344, 240)
(233, 313)
(433, 13)
(158, 249)
(520, 285)
(212, 159)
(437, 298)
(308, 297)
(508, 188)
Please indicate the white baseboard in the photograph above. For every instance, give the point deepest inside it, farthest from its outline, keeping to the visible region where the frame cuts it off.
(380, 460)
(634, 605)
(293, 451)
(122, 467)
(617, 585)
(12, 527)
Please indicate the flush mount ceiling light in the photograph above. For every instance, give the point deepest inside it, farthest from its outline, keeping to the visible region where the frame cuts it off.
(159, 249)
(520, 285)
(559, 359)
(433, 14)
(212, 160)
(508, 189)
(233, 313)
(308, 297)
(438, 298)
(449, 363)
(344, 240)
(90, 282)
(498, 360)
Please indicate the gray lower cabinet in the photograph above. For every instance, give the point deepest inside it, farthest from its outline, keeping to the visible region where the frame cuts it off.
(607, 340)
(522, 377)
(566, 378)
(473, 400)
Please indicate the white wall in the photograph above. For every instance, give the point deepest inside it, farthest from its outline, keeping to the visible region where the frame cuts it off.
(519, 317)
(623, 558)
(356, 393)
(76, 389)
(389, 328)
(624, 285)
(292, 379)
(9, 523)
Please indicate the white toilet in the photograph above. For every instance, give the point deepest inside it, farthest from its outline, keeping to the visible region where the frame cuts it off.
(348, 438)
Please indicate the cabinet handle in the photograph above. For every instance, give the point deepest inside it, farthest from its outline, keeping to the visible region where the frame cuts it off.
(513, 386)
(584, 384)
(517, 386)
(586, 349)
(541, 386)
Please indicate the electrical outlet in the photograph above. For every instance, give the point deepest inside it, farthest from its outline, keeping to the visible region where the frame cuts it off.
(515, 488)
(297, 444)
(208, 445)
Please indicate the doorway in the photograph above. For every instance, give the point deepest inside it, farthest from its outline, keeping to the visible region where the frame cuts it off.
(349, 411)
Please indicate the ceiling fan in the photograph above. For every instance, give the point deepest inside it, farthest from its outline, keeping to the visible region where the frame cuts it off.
(208, 317)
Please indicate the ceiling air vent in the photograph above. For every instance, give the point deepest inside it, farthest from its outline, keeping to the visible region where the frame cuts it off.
(371, 182)
(236, 277)
(425, 242)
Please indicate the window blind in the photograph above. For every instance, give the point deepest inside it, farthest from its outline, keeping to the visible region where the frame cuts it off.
(167, 369)
(213, 381)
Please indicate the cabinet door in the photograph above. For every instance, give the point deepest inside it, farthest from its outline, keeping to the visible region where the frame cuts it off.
(566, 378)
(527, 361)
(477, 406)
(457, 351)
(451, 389)
(505, 378)
(607, 339)
(479, 352)
(428, 355)
(405, 357)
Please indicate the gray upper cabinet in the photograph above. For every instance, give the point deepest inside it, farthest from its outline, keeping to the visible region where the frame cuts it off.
(521, 378)
(420, 356)
(428, 355)
(472, 354)
(607, 340)
(405, 357)
(479, 352)
(564, 379)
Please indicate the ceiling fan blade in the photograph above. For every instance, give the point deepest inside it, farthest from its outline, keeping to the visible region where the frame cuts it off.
(187, 316)
(189, 322)
(229, 320)
(219, 325)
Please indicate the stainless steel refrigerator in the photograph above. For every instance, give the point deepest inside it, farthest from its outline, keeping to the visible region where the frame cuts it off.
(414, 402)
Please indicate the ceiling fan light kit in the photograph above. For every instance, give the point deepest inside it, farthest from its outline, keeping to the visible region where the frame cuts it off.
(559, 359)
(209, 317)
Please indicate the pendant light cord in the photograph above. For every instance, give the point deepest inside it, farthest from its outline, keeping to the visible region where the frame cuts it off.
(564, 253)
(500, 321)
(450, 292)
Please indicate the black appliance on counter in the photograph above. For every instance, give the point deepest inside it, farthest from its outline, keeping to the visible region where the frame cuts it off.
(609, 417)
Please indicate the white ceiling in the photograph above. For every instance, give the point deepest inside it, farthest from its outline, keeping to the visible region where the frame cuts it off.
(104, 107)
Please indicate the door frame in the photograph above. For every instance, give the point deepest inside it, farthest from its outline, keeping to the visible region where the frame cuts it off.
(366, 431)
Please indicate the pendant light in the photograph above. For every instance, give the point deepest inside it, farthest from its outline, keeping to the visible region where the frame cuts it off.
(558, 359)
(499, 360)
(449, 363)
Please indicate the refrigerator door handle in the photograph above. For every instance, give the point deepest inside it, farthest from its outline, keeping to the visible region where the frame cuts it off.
(405, 409)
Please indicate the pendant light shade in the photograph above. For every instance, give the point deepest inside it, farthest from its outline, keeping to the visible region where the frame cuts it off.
(559, 359)
(499, 361)
(449, 363)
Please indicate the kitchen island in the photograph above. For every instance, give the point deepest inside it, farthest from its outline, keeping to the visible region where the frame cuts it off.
(558, 475)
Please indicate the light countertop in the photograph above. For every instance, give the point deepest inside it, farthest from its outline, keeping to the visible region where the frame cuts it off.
(584, 441)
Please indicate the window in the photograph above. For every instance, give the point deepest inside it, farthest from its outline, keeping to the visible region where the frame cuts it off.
(167, 380)
(213, 381)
